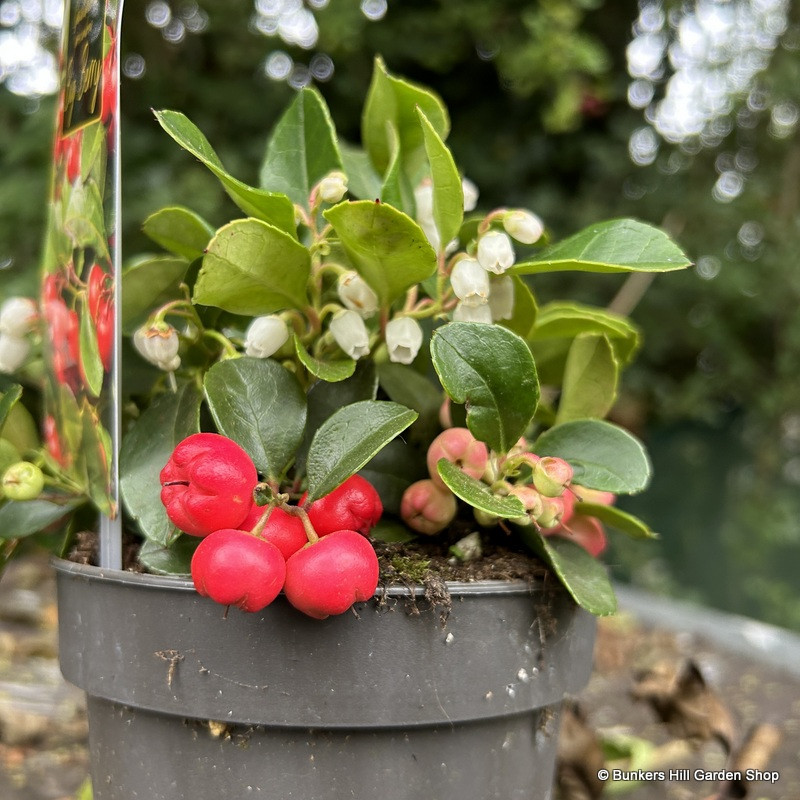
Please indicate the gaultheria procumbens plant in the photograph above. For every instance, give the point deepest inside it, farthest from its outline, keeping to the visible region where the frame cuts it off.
(358, 316)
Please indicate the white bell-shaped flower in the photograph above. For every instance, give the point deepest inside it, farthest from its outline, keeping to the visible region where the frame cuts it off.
(333, 187)
(470, 282)
(524, 226)
(470, 194)
(265, 336)
(403, 339)
(159, 345)
(465, 313)
(495, 252)
(17, 316)
(350, 333)
(13, 352)
(356, 294)
(501, 297)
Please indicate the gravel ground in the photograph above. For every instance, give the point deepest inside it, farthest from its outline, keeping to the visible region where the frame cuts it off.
(43, 724)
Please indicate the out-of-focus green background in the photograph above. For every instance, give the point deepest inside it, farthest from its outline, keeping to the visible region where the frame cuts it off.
(681, 114)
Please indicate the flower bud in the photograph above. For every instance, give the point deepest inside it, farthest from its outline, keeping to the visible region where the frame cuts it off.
(531, 500)
(333, 187)
(265, 336)
(427, 508)
(403, 339)
(350, 333)
(470, 194)
(551, 476)
(552, 514)
(465, 313)
(461, 448)
(356, 294)
(524, 226)
(495, 252)
(159, 345)
(13, 352)
(501, 297)
(470, 282)
(23, 481)
(17, 316)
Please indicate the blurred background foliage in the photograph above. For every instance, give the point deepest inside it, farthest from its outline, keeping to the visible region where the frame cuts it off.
(681, 114)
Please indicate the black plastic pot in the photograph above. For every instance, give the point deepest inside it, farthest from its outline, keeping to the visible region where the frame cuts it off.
(185, 704)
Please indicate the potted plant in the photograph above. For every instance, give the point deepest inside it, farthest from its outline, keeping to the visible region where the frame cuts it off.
(354, 377)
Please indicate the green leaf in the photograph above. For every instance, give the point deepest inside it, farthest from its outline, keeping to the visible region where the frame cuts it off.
(302, 149)
(388, 530)
(602, 455)
(392, 103)
(277, 209)
(614, 517)
(348, 439)
(148, 284)
(362, 180)
(261, 406)
(95, 456)
(406, 386)
(396, 189)
(583, 576)
(8, 455)
(448, 193)
(180, 231)
(20, 518)
(388, 248)
(566, 320)
(525, 309)
(8, 401)
(618, 245)
(477, 493)
(90, 355)
(84, 219)
(253, 268)
(325, 398)
(331, 371)
(490, 369)
(176, 559)
(392, 470)
(591, 376)
(146, 448)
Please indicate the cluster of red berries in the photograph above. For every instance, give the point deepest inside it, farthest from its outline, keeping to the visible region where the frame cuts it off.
(317, 553)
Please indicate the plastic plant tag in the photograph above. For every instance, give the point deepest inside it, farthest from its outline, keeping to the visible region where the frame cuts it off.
(80, 264)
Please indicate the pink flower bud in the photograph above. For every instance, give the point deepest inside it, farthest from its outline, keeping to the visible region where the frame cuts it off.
(427, 508)
(553, 510)
(461, 448)
(531, 500)
(551, 476)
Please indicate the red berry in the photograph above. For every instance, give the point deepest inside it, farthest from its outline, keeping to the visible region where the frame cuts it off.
(327, 577)
(353, 506)
(284, 530)
(234, 568)
(207, 484)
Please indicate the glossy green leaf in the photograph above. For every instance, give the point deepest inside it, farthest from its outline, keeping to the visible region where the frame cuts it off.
(348, 439)
(390, 531)
(525, 309)
(146, 448)
(180, 231)
(490, 369)
(618, 519)
(560, 320)
(176, 559)
(331, 371)
(90, 355)
(20, 518)
(583, 576)
(325, 398)
(396, 189)
(276, 209)
(408, 387)
(363, 181)
(591, 376)
(302, 148)
(146, 285)
(602, 455)
(388, 248)
(392, 103)
(8, 400)
(618, 245)
(477, 493)
(253, 268)
(392, 470)
(261, 406)
(448, 193)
